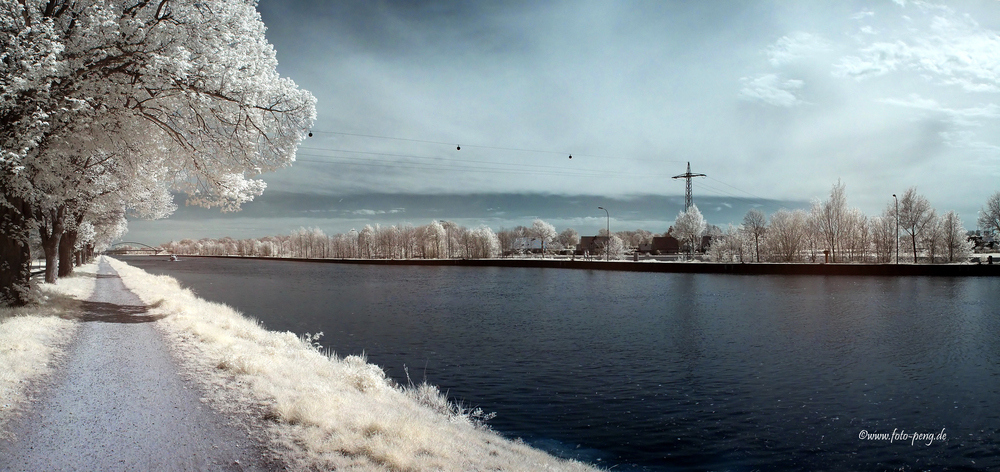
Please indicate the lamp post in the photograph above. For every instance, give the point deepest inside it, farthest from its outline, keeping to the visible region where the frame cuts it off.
(607, 244)
(897, 227)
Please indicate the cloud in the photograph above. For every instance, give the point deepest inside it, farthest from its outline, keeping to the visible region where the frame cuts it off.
(771, 89)
(916, 101)
(863, 14)
(875, 60)
(948, 49)
(377, 212)
(795, 46)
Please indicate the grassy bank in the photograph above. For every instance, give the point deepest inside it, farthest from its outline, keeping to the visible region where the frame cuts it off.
(33, 338)
(326, 412)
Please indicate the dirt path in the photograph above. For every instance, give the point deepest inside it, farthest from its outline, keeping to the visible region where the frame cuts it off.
(119, 403)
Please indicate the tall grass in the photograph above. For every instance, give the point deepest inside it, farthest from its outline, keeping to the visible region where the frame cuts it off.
(324, 411)
(33, 338)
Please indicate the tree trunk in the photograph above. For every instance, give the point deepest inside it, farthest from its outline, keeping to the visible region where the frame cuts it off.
(51, 230)
(15, 254)
(50, 246)
(66, 244)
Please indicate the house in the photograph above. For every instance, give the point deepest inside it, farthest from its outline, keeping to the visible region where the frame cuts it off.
(663, 245)
(591, 244)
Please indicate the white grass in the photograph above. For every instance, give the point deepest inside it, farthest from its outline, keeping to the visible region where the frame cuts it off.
(32, 338)
(325, 412)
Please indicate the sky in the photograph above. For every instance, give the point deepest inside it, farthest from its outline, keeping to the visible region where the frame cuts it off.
(773, 101)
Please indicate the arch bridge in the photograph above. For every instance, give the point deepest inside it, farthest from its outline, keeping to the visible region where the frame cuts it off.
(132, 247)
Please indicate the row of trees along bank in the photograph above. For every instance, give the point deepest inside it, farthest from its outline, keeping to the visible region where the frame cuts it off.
(848, 235)
(436, 240)
(785, 236)
(109, 105)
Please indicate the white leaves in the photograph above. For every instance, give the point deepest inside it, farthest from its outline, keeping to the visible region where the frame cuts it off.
(690, 226)
(197, 95)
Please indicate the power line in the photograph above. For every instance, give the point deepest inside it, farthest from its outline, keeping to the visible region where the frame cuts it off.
(736, 188)
(447, 164)
(459, 145)
(411, 156)
(510, 169)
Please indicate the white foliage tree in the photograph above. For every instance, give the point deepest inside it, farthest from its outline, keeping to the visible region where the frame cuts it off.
(689, 227)
(787, 235)
(755, 225)
(188, 85)
(989, 216)
(482, 243)
(545, 232)
(569, 238)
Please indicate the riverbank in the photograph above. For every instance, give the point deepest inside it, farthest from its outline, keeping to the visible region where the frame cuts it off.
(33, 339)
(118, 401)
(765, 268)
(322, 411)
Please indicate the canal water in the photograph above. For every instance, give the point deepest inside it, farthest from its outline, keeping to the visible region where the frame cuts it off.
(663, 372)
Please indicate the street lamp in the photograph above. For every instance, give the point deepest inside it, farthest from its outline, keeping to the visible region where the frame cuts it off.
(607, 244)
(897, 227)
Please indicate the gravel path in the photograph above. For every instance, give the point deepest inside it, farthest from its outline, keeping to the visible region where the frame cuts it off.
(118, 403)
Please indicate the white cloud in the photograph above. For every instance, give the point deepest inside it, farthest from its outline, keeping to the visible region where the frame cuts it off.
(863, 14)
(877, 59)
(795, 46)
(378, 212)
(949, 49)
(771, 89)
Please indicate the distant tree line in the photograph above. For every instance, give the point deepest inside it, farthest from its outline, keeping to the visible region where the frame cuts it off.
(435, 240)
(832, 231)
(829, 230)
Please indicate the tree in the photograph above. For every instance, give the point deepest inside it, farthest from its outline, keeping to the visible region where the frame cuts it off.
(915, 215)
(436, 239)
(932, 239)
(831, 219)
(690, 226)
(989, 216)
(190, 86)
(481, 243)
(569, 238)
(956, 245)
(613, 247)
(856, 237)
(545, 232)
(507, 238)
(755, 224)
(728, 246)
(787, 235)
(883, 234)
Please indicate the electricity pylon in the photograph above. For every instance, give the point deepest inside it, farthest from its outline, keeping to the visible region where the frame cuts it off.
(687, 194)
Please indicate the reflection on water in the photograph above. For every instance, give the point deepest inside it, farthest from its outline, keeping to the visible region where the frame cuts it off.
(663, 371)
